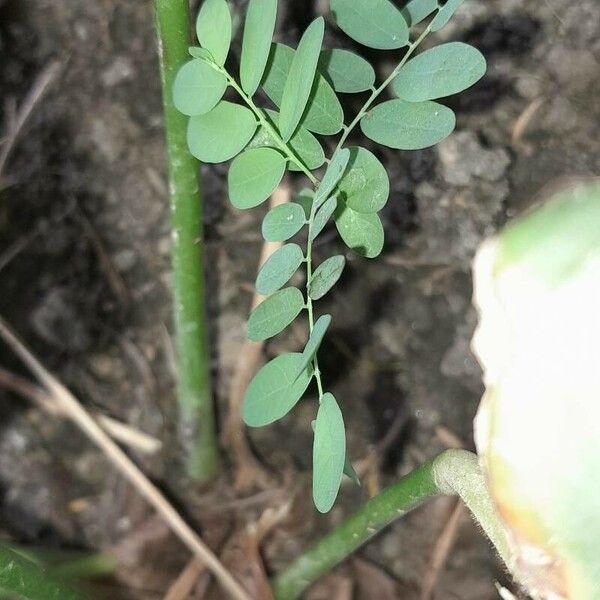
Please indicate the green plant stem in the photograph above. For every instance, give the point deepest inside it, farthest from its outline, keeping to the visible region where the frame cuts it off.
(455, 472)
(264, 121)
(23, 578)
(194, 388)
(376, 92)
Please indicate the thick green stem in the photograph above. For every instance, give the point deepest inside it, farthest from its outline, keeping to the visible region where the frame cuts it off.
(193, 371)
(455, 472)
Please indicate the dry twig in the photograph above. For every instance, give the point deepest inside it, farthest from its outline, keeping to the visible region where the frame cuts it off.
(35, 94)
(248, 472)
(77, 413)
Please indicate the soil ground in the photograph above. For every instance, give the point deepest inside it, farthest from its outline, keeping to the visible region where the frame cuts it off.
(84, 278)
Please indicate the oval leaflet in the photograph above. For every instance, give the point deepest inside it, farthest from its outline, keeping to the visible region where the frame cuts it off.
(279, 269)
(274, 314)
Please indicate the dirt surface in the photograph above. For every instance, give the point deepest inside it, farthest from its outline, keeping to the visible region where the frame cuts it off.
(84, 278)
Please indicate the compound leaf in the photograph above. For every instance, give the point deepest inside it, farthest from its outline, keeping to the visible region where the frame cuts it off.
(323, 114)
(347, 72)
(301, 78)
(304, 144)
(365, 186)
(314, 342)
(361, 232)
(274, 314)
(441, 71)
(213, 28)
(408, 125)
(198, 88)
(445, 14)
(322, 217)
(254, 176)
(329, 453)
(334, 172)
(326, 276)
(275, 390)
(283, 222)
(222, 133)
(258, 32)
(373, 23)
(279, 268)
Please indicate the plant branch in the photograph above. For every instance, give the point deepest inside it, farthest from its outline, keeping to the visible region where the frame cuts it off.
(376, 92)
(455, 472)
(194, 389)
(264, 121)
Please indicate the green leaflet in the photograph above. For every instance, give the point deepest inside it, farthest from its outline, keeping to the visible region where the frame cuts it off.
(347, 72)
(417, 10)
(334, 172)
(198, 88)
(324, 114)
(322, 217)
(304, 144)
(283, 222)
(329, 453)
(350, 472)
(362, 233)
(279, 268)
(441, 71)
(274, 314)
(221, 133)
(258, 33)
(408, 125)
(21, 577)
(202, 53)
(373, 23)
(326, 276)
(300, 78)
(305, 199)
(365, 186)
(445, 14)
(213, 28)
(275, 390)
(314, 342)
(254, 176)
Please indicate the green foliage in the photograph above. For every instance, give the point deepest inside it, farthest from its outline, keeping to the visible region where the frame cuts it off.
(329, 453)
(275, 390)
(324, 114)
(347, 72)
(326, 276)
(279, 269)
(254, 176)
(417, 10)
(303, 144)
(361, 232)
(300, 79)
(198, 88)
(365, 186)
(322, 217)
(213, 29)
(316, 337)
(373, 23)
(222, 133)
(274, 314)
(258, 31)
(450, 68)
(445, 14)
(408, 125)
(353, 188)
(283, 222)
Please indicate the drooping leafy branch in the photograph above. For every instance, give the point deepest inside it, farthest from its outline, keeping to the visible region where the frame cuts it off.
(264, 142)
